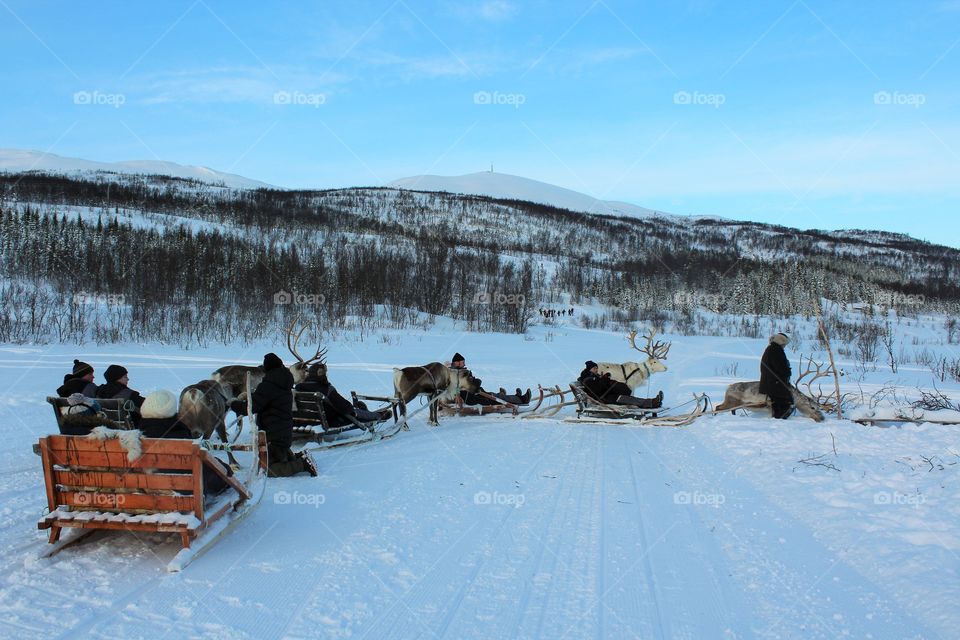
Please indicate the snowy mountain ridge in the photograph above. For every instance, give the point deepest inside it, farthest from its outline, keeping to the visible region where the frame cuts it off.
(21, 161)
(511, 187)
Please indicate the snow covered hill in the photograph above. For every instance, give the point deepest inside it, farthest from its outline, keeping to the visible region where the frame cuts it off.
(19, 160)
(506, 186)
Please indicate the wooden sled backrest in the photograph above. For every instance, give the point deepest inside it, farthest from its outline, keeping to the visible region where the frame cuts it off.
(583, 399)
(311, 403)
(116, 409)
(97, 475)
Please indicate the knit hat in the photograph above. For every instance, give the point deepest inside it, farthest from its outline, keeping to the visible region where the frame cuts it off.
(317, 369)
(457, 358)
(590, 364)
(271, 361)
(781, 339)
(114, 372)
(159, 404)
(81, 369)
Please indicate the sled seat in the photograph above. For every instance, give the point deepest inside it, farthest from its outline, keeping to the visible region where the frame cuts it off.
(92, 484)
(458, 408)
(310, 414)
(117, 410)
(593, 408)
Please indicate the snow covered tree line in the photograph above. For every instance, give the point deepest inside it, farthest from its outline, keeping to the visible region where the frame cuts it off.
(150, 258)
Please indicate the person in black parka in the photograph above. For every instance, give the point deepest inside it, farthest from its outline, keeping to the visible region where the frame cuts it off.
(336, 406)
(775, 376)
(116, 387)
(273, 406)
(80, 380)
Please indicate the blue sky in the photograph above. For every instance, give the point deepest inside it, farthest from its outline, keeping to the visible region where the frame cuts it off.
(808, 113)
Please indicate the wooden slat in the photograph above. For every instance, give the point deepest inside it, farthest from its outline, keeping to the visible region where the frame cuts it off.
(119, 460)
(124, 526)
(105, 501)
(125, 480)
(148, 445)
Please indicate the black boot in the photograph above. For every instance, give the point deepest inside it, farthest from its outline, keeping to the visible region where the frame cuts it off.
(658, 401)
(525, 396)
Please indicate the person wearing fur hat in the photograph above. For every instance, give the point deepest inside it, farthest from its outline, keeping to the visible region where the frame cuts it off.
(273, 406)
(484, 397)
(158, 419)
(775, 376)
(79, 380)
(117, 378)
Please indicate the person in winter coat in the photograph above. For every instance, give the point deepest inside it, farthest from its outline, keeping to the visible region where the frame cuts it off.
(80, 380)
(775, 375)
(273, 405)
(609, 391)
(336, 406)
(117, 379)
(158, 419)
(481, 396)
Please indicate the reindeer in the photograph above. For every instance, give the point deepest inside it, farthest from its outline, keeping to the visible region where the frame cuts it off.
(203, 408)
(439, 382)
(633, 374)
(235, 375)
(811, 403)
(747, 395)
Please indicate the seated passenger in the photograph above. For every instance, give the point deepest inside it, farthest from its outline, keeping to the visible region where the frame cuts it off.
(158, 419)
(336, 406)
(481, 397)
(608, 391)
(116, 387)
(80, 380)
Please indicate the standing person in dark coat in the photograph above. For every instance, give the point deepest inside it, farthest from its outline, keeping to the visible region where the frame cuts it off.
(80, 380)
(775, 375)
(336, 406)
(273, 405)
(117, 379)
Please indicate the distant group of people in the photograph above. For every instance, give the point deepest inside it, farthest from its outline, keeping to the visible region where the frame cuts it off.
(556, 313)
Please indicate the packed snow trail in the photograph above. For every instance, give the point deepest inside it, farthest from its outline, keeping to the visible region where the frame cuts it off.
(495, 527)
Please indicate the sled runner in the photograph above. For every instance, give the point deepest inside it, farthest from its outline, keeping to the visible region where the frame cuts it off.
(458, 408)
(311, 421)
(592, 411)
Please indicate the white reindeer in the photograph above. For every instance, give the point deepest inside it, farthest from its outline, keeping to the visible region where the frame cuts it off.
(633, 374)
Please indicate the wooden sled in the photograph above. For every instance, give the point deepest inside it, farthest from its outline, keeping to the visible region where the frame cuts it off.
(91, 485)
(458, 408)
(593, 411)
(312, 423)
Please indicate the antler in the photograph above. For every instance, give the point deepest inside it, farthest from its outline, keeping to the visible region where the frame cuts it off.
(813, 372)
(318, 356)
(656, 350)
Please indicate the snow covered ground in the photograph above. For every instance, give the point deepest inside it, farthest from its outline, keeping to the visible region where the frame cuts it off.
(497, 527)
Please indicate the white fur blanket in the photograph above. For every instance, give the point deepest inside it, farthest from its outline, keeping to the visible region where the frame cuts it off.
(129, 440)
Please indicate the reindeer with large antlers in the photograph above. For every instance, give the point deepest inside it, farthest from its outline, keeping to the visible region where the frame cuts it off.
(633, 374)
(235, 375)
